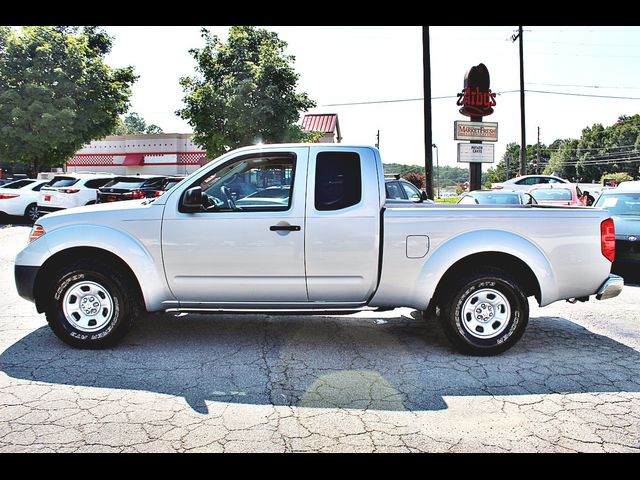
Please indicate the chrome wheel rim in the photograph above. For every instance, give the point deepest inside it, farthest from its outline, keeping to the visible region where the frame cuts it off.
(486, 313)
(87, 306)
(32, 213)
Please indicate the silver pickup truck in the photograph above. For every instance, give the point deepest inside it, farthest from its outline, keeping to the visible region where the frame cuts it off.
(306, 228)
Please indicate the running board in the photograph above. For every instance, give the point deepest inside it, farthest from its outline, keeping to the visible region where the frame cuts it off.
(298, 311)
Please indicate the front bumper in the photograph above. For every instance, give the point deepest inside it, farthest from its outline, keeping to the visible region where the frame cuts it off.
(25, 281)
(610, 288)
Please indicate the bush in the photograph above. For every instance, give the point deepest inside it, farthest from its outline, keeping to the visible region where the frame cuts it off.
(416, 178)
(618, 177)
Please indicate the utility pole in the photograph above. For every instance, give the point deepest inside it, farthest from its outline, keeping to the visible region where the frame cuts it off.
(437, 170)
(506, 163)
(523, 141)
(426, 78)
(538, 159)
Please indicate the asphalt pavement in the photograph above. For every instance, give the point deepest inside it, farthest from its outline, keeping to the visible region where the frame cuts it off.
(370, 382)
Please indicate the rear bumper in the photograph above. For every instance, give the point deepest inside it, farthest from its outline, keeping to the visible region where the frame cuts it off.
(25, 281)
(610, 288)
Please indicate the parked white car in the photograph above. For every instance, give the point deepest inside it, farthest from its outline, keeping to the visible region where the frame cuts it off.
(526, 182)
(20, 198)
(71, 190)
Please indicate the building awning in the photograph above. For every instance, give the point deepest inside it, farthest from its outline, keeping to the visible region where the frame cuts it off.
(134, 159)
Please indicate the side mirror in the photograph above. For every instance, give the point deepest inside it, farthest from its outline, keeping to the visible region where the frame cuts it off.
(192, 200)
(423, 196)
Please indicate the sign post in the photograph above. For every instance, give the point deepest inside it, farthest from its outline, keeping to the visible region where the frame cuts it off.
(476, 100)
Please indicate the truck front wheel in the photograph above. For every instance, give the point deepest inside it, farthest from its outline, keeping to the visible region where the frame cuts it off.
(91, 305)
(485, 313)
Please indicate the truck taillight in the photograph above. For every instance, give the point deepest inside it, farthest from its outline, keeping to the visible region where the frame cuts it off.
(608, 239)
(68, 190)
(36, 232)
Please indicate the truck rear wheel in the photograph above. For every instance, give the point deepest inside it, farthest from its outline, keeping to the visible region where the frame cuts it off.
(91, 305)
(485, 313)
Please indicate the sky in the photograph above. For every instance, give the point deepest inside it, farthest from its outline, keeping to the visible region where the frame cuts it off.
(344, 64)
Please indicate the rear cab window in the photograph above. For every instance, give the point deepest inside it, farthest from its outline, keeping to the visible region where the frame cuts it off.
(338, 180)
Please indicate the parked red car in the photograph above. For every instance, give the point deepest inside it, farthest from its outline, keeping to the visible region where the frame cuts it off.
(560, 194)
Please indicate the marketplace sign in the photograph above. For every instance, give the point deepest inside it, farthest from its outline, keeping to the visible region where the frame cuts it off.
(483, 131)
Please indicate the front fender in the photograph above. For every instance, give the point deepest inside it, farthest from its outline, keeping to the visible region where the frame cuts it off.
(480, 241)
(145, 264)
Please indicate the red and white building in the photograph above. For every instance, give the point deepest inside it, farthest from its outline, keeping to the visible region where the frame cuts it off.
(161, 154)
(327, 123)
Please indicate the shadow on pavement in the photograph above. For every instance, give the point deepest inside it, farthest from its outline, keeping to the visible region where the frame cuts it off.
(397, 363)
(11, 221)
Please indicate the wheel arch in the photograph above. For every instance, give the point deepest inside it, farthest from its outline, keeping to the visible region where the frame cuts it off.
(506, 262)
(54, 263)
(511, 252)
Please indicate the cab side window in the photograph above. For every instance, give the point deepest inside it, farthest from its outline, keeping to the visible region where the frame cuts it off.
(338, 180)
(393, 191)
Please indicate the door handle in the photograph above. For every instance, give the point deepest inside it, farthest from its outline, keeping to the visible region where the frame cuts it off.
(284, 228)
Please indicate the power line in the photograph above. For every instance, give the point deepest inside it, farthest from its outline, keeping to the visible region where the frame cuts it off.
(581, 86)
(572, 30)
(398, 100)
(582, 94)
(583, 55)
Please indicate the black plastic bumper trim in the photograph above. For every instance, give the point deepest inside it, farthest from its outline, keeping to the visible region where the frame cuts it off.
(25, 281)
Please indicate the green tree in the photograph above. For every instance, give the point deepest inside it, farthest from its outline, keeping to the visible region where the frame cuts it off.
(57, 93)
(562, 160)
(134, 124)
(244, 93)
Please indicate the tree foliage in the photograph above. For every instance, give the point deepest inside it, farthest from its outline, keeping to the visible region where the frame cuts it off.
(56, 92)
(244, 92)
(134, 124)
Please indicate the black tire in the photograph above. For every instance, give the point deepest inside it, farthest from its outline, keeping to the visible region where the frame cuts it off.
(458, 322)
(31, 212)
(123, 308)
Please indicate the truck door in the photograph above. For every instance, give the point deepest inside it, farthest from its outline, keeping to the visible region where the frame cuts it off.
(247, 245)
(342, 238)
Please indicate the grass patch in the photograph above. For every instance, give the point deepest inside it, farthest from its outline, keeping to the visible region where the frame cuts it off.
(448, 200)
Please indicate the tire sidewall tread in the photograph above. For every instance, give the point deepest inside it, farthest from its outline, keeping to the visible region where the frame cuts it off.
(125, 306)
(459, 291)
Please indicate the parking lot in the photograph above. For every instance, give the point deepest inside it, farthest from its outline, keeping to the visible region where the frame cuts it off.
(384, 382)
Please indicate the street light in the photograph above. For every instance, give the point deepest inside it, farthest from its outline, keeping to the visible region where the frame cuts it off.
(437, 169)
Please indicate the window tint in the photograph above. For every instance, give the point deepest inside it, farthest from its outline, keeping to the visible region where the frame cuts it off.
(555, 180)
(97, 183)
(251, 184)
(57, 182)
(153, 182)
(17, 184)
(338, 180)
(551, 194)
(39, 186)
(124, 182)
(393, 191)
(412, 192)
(620, 203)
